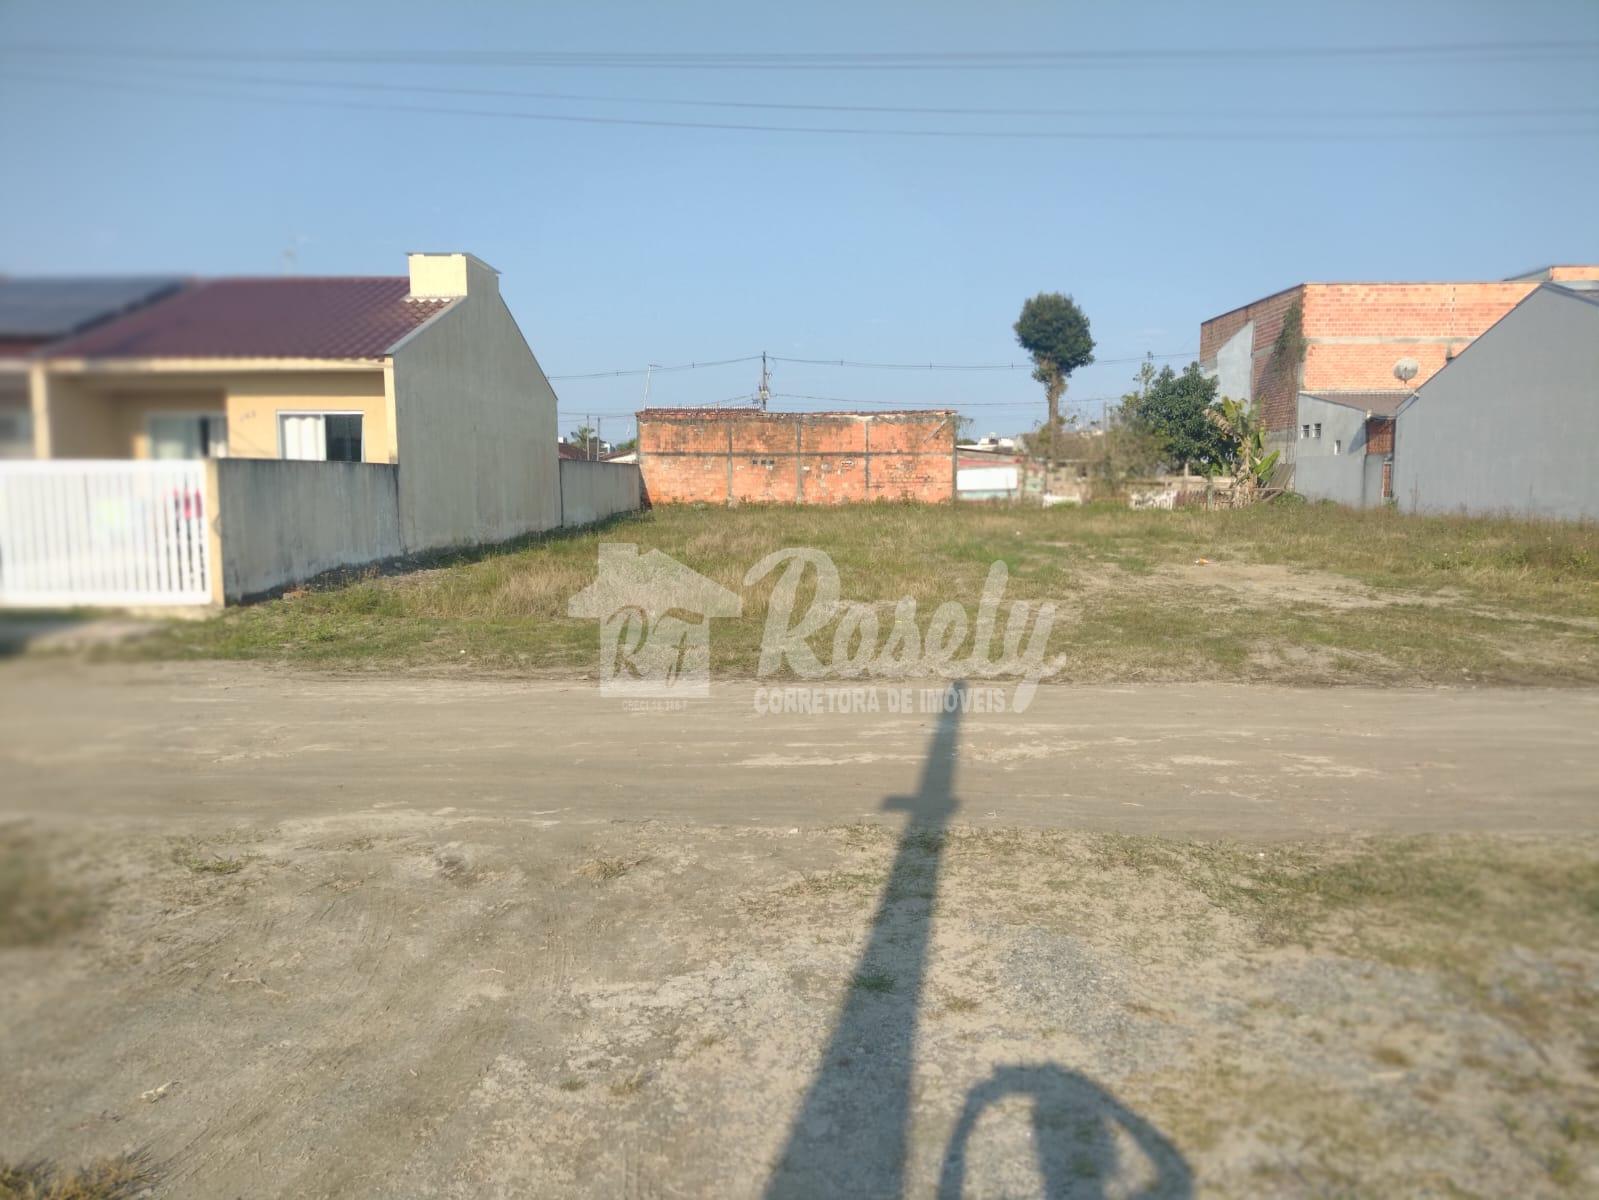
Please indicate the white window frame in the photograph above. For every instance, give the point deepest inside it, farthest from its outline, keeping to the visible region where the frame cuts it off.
(188, 414)
(323, 413)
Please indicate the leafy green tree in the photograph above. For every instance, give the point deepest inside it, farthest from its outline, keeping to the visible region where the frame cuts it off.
(586, 440)
(1177, 410)
(1055, 332)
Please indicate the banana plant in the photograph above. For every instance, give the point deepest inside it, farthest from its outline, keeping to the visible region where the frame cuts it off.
(1252, 466)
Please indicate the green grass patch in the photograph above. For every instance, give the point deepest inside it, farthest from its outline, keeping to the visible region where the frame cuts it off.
(879, 982)
(1293, 593)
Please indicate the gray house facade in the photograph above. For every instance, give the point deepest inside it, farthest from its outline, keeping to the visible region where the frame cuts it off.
(1512, 424)
(1344, 446)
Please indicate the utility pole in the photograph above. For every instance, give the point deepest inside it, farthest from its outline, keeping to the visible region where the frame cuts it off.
(765, 393)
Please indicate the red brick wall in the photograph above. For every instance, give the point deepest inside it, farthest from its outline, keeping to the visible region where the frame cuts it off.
(1274, 378)
(1357, 331)
(723, 456)
(1379, 435)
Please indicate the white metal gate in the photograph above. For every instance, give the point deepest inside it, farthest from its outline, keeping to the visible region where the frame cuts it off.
(75, 532)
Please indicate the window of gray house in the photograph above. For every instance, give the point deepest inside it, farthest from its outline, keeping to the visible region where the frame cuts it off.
(1318, 431)
(1338, 446)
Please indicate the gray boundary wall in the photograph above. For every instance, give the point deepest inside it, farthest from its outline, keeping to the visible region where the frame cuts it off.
(283, 522)
(593, 491)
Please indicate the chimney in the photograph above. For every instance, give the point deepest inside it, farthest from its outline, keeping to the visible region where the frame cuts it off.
(444, 276)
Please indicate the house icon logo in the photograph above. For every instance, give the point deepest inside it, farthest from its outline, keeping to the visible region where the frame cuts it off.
(655, 623)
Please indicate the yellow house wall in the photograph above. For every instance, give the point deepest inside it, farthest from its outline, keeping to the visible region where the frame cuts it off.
(81, 423)
(254, 402)
(107, 416)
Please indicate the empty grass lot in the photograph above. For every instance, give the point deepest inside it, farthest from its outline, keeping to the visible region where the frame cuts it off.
(1287, 593)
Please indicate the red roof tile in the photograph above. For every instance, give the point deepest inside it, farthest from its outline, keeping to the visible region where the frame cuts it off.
(263, 318)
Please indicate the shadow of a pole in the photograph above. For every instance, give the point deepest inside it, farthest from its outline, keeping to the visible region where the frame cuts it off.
(851, 1135)
(849, 1138)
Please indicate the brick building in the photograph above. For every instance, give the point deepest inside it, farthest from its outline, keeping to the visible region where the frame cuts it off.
(733, 456)
(1338, 340)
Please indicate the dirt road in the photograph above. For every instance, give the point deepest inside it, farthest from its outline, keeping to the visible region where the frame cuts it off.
(224, 742)
(311, 936)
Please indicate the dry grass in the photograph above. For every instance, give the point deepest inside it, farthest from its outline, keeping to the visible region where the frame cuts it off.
(37, 907)
(602, 870)
(1441, 598)
(109, 1179)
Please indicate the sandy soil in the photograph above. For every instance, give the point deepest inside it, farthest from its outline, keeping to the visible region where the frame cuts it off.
(298, 936)
(225, 741)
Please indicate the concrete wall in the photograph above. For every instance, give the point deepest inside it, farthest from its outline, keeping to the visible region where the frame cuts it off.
(1510, 426)
(1235, 376)
(1333, 466)
(474, 419)
(722, 456)
(279, 523)
(593, 491)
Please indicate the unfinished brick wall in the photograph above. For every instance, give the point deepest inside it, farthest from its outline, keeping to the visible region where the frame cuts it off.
(1357, 331)
(739, 456)
(1274, 372)
(1354, 333)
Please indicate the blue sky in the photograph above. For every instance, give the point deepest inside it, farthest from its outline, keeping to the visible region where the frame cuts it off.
(624, 245)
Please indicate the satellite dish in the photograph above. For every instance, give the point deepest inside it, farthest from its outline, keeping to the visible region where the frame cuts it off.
(1406, 369)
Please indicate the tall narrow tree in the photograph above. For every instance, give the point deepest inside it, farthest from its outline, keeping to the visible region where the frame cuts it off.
(1055, 332)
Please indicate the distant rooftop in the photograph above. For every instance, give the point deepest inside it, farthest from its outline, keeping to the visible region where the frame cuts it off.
(42, 308)
(1379, 404)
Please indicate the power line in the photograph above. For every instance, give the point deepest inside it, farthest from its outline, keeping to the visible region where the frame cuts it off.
(844, 61)
(1010, 366)
(657, 368)
(1085, 135)
(1254, 115)
(963, 405)
(853, 363)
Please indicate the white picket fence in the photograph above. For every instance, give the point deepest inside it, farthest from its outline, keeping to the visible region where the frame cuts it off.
(89, 532)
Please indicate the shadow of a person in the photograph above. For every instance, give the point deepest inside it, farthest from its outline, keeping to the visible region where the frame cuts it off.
(1074, 1136)
(851, 1134)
